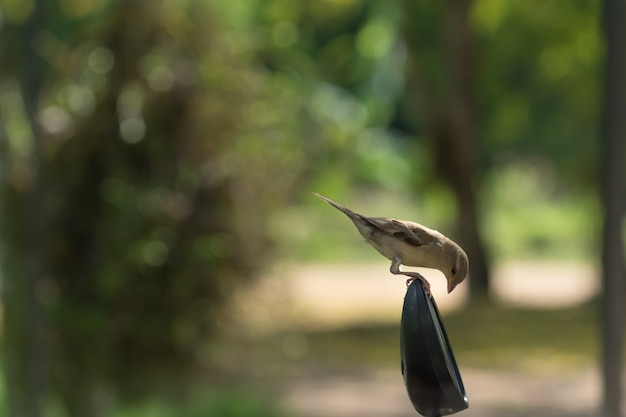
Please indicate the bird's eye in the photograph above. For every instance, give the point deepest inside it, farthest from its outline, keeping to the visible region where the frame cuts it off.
(453, 270)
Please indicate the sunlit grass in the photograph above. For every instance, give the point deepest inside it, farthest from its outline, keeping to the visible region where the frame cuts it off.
(512, 338)
(481, 335)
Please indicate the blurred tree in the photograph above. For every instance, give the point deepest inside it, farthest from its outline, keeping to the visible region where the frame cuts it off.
(538, 85)
(489, 80)
(26, 322)
(485, 82)
(441, 77)
(144, 152)
(345, 55)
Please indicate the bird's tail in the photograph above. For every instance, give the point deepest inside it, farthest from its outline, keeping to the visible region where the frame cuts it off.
(362, 223)
(353, 216)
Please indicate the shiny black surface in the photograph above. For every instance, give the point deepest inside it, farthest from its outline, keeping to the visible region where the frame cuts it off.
(431, 375)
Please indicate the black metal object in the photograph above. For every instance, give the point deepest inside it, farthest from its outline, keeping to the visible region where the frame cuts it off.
(431, 376)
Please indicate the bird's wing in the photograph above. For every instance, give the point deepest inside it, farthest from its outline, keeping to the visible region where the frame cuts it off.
(412, 233)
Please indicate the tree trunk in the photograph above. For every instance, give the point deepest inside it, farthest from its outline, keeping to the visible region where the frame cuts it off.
(614, 132)
(25, 340)
(445, 86)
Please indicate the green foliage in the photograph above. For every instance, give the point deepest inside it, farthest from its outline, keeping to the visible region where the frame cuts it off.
(530, 213)
(538, 85)
(160, 152)
(540, 82)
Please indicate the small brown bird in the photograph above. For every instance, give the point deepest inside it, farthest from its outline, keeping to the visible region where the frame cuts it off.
(410, 244)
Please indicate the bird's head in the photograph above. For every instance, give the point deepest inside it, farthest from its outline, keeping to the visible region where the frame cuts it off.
(458, 269)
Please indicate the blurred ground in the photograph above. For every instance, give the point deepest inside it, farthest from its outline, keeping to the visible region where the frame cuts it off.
(332, 296)
(490, 393)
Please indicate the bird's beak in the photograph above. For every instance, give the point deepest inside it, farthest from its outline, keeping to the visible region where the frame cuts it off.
(451, 286)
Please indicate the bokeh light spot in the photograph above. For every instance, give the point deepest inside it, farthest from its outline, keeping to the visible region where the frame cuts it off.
(132, 129)
(160, 79)
(55, 120)
(101, 60)
(375, 39)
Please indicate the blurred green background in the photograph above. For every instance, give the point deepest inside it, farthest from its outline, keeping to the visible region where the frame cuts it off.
(158, 159)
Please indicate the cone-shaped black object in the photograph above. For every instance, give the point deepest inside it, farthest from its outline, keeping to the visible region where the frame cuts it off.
(431, 376)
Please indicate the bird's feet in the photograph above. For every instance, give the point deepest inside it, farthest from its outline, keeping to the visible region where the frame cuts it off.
(395, 269)
(415, 276)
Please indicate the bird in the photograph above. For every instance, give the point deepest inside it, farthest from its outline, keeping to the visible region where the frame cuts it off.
(410, 244)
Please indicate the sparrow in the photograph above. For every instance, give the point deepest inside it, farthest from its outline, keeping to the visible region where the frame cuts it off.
(410, 244)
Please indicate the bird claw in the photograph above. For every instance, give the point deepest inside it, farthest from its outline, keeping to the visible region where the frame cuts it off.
(425, 283)
(395, 269)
